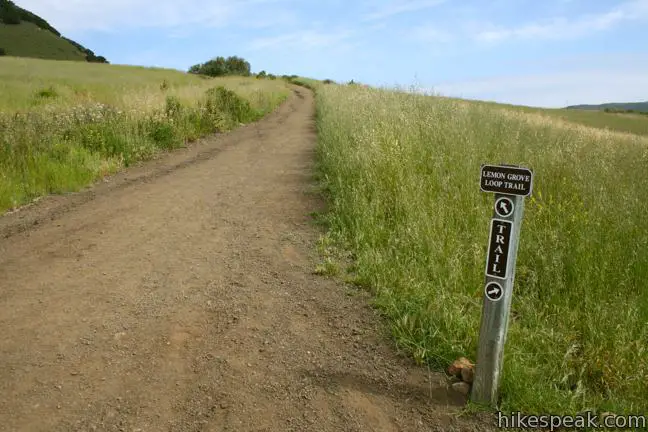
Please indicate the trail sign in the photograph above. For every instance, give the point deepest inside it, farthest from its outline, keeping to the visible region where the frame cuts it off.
(510, 184)
(493, 291)
(506, 179)
(498, 249)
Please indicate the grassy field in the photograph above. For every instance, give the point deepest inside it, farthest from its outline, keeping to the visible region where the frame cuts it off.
(65, 124)
(629, 123)
(27, 39)
(402, 175)
(619, 122)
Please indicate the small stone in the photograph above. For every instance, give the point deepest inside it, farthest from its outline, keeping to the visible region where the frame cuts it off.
(468, 374)
(455, 368)
(224, 405)
(461, 387)
(454, 379)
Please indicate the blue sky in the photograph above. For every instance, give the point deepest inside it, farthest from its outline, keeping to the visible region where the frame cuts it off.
(544, 53)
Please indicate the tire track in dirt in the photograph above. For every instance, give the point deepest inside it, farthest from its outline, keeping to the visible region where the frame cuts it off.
(179, 296)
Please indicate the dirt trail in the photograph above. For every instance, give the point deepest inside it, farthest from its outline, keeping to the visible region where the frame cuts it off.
(179, 296)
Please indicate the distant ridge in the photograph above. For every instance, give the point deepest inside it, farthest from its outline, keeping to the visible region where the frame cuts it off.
(24, 34)
(619, 106)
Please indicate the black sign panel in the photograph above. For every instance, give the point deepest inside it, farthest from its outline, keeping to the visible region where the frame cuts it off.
(506, 180)
(493, 291)
(498, 248)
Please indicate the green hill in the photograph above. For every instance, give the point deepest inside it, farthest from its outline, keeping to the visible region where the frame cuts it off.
(24, 34)
(621, 106)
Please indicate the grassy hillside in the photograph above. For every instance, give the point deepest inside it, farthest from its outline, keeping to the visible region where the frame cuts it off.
(28, 40)
(22, 80)
(65, 124)
(629, 123)
(24, 34)
(619, 122)
(402, 175)
(632, 106)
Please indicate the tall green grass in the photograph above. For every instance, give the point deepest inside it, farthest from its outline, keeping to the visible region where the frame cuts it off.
(402, 175)
(54, 139)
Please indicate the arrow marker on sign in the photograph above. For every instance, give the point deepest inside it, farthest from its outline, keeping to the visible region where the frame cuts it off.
(494, 291)
(504, 207)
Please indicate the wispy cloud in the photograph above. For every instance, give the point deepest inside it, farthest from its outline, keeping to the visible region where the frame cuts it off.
(303, 39)
(564, 28)
(117, 15)
(399, 7)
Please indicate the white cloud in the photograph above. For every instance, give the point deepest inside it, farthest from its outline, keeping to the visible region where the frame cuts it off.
(557, 89)
(303, 39)
(401, 6)
(115, 15)
(564, 28)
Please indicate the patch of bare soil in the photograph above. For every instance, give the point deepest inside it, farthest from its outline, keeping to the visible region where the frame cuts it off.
(180, 296)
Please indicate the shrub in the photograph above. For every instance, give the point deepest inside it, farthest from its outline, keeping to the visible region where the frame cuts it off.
(3, 52)
(47, 93)
(222, 100)
(163, 134)
(173, 107)
(221, 66)
(261, 74)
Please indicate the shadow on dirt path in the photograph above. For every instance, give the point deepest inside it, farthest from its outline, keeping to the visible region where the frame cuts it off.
(179, 296)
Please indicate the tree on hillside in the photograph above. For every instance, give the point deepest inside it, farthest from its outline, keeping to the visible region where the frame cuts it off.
(9, 12)
(221, 66)
(90, 56)
(12, 14)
